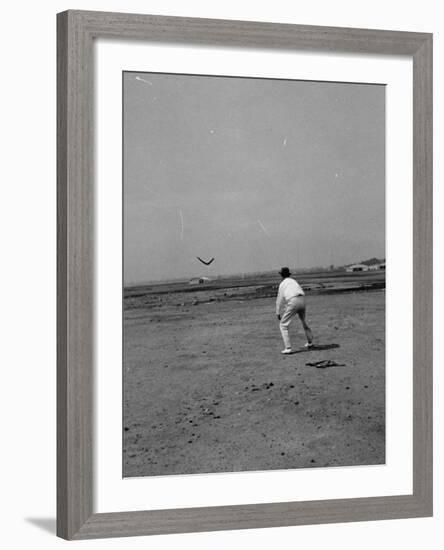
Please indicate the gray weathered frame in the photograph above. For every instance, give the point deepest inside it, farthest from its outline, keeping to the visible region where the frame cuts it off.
(76, 32)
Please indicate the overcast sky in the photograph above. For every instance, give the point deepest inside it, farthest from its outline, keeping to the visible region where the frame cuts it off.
(258, 173)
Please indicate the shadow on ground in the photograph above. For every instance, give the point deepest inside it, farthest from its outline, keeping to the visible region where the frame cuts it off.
(318, 347)
(46, 524)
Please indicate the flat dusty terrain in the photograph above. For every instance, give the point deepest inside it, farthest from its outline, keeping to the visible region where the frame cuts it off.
(207, 390)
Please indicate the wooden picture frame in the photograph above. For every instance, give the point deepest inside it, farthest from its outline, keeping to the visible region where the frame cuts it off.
(77, 31)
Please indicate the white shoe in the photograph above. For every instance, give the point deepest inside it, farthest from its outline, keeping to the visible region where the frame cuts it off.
(308, 345)
(286, 351)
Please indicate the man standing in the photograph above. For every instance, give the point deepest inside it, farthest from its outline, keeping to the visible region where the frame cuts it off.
(291, 299)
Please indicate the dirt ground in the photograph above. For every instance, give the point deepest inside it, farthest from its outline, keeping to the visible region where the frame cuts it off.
(207, 390)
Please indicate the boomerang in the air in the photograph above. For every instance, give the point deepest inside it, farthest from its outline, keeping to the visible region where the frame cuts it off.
(204, 262)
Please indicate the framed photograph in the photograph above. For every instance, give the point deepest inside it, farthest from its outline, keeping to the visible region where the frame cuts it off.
(244, 275)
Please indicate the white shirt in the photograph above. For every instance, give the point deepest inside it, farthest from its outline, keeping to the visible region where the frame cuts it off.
(288, 289)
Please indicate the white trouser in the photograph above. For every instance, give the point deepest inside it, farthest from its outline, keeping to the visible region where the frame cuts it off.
(292, 308)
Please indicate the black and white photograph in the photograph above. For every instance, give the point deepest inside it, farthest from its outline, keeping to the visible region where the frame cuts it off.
(254, 274)
(220, 241)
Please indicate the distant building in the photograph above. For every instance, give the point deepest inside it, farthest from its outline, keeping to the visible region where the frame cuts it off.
(367, 265)
(199, 280)
(356, 267)
(373, 263)
(376, 267)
